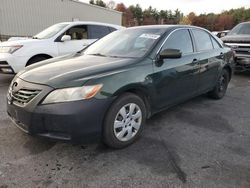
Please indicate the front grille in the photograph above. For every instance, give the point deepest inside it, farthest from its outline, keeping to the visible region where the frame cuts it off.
(238, 42)
(242, 52)
(23, 96)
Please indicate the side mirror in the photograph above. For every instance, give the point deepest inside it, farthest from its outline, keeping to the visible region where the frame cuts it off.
(65, 38)
(170, 53)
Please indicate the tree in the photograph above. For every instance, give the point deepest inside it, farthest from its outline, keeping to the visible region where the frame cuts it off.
(163, 14)
(127, 15)
(137, 12)
(98, 3)
(134, 15)
(111, 5)
(177, 16)
(192, 17)
(185, 21)
(224, 22)
(121, 7)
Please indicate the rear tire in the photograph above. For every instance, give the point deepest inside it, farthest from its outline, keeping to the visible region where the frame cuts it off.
(124, 121)
(36, 59)
(221, 86)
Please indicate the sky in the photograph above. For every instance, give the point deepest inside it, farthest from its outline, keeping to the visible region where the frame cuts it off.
(187, 6)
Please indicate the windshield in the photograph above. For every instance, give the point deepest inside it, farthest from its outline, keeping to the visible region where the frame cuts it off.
(51, 31)
(128, 43)
(241, 29)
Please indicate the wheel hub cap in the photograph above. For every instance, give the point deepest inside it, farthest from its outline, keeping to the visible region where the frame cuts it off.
(127, 122)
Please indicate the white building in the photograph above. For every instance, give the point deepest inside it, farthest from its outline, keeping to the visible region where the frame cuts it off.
(28, 17)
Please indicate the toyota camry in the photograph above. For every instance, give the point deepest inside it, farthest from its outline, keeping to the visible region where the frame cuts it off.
(109, 90)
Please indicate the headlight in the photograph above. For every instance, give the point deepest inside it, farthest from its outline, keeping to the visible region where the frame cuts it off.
(72, 94)
(9, 49)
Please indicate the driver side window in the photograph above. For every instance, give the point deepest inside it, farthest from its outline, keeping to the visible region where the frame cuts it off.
(180, 40)
(77, 32)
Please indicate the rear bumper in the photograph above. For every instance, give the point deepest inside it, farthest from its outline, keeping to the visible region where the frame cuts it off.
(79, 121)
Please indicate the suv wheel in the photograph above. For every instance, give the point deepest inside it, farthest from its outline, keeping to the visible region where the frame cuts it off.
(221, 87)
(124, 121)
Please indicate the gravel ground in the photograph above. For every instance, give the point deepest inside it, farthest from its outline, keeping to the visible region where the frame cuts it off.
(201, 143)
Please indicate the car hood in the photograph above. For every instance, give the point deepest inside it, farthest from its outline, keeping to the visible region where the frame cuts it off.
(72, 70)
(236, 38)
(19, 42)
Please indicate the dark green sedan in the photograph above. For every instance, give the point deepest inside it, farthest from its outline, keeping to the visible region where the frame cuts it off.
(108, 90)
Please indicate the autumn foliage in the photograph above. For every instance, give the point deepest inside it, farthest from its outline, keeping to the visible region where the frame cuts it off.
(134, 15)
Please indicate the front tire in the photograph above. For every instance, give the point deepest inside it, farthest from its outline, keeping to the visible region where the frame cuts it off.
(124, 121)
(221, 86)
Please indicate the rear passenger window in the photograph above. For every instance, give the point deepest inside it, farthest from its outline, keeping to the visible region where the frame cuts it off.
(97, 32)
(180, 40)
(215, 43)
(203, 40)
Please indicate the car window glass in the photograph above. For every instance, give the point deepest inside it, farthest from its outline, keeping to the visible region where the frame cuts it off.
(77, 32)
(112, 29)
(180, 40)
(241, 29)
(215, 43)
(203, 40)
(97, 32)
(130, 43)
(51, 31)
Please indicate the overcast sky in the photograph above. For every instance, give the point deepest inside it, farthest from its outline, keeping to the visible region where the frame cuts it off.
(186, 6)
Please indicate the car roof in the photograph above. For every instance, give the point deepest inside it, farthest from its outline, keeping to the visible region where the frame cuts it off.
(171, 28)
(167, 27)
(245, 22)
(93, 23)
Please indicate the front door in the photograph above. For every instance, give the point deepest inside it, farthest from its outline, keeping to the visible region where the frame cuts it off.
(79, 40)
(176, 79)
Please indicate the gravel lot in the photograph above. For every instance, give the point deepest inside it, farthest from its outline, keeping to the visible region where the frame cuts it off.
(202, 143)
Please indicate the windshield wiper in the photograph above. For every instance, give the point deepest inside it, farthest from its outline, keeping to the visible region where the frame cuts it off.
(98, 54)
(35, 38)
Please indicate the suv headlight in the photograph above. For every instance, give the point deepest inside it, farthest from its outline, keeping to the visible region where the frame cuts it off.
(10, 49)
(72, 94)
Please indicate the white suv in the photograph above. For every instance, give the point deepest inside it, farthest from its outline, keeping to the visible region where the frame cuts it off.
(59, 39)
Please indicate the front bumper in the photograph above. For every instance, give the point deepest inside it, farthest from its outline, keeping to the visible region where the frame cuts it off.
(242, 62)
(11, 64)
(242, 55)
(79, 121)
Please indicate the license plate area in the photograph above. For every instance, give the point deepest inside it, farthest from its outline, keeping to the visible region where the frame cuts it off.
(14, 117)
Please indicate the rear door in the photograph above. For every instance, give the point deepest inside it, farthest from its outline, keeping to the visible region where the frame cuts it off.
(176, 79)
(210, 56)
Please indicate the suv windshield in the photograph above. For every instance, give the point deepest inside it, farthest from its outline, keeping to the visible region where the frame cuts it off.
(241, 29)
(51, 31)
(130, 43)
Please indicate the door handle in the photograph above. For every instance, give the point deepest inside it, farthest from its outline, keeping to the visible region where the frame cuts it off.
(195, 60)
(221, 56)
(195, 64)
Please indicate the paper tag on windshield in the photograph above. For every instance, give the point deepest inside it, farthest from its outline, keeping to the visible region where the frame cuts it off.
(150, 36)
